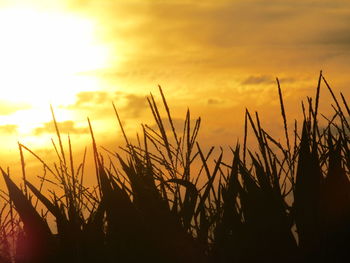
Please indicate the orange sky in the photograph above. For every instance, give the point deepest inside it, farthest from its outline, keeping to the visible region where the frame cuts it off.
(215, 57)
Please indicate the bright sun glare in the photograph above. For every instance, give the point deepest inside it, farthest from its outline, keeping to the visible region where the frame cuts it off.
(42, 56)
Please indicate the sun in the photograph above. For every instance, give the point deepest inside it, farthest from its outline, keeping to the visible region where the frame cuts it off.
(43, 56)
(46, 57)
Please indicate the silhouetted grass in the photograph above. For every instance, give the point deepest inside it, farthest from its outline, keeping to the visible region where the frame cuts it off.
(165, 200)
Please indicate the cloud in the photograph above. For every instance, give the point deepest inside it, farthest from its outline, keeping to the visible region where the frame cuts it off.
(256, 80)
(95, 97)
(225, 33)
(177, 122)
(178, 30)
(212, 101)
(335, 36)
(8, 108)
(9, 128)
(265, 80)
(133, 104)
(211, 51)
(196, 45)
(64, 127)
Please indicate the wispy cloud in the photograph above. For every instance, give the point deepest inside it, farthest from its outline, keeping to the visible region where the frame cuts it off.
(213, 101)
(257, 80)
(8, 108)
(133, 104)
(9, 128)
(100, 102)
(177, 122)
(95, 97)
(64, 127)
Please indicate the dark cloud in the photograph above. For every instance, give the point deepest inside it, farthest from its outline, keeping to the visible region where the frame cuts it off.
(181, 30)
(214, 101)
(197, 45)
(95, 97)
(257, 80)
(265, 80)
(64, 127)
(134, 104)
(100, 102)
(177, 122)
(336, 37)
(288, 80)
(222, 51)
(9, 128)
(217, 34)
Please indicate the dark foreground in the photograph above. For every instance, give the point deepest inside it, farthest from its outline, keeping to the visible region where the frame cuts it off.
(165, 200)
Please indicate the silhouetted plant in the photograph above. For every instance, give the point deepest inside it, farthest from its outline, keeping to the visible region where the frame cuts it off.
(164, 200)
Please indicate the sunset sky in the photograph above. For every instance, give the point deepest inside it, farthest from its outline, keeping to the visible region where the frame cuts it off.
(215, 57)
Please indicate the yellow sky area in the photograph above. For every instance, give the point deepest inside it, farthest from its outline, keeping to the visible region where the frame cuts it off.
(215, 57)
(43, 52)
(218, 57)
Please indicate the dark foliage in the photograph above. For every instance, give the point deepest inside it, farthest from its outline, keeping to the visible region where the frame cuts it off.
(164, 200)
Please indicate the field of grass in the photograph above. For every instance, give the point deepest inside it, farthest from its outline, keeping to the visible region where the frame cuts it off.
(163, 199)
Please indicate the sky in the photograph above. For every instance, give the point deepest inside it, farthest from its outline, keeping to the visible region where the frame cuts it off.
(216, 58)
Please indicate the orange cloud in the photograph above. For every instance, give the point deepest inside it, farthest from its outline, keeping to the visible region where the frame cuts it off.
(64, 127)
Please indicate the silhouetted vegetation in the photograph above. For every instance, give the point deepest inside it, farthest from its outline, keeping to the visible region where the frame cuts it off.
(163, 199)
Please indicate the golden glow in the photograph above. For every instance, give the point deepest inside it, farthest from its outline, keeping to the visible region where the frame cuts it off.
(216, 59)
(41, 57)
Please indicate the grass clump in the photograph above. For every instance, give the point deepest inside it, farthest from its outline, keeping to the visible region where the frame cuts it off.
(165, 200)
